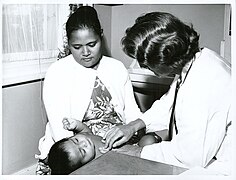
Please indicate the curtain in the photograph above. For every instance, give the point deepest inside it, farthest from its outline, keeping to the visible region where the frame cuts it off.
(28, 30)
(64, 50)
(33, 37)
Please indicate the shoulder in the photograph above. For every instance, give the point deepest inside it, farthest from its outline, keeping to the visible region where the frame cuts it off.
(112, 64)
(111, 61)
(60, 64)
(213, 68)
(113, 69)
(59, 69)
(215, 61)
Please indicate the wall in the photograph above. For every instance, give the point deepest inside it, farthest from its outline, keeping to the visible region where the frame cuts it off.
(226, 44)
(208, 20)
(104, 14)
(23, 123)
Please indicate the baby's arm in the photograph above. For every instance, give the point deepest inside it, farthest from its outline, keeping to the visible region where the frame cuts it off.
(74, 125)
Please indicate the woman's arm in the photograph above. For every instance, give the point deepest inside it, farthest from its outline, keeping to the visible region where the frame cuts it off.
(152, 120)
(55, 102)
(131, 109)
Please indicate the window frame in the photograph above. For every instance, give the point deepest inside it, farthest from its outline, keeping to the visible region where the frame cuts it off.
(21, 71)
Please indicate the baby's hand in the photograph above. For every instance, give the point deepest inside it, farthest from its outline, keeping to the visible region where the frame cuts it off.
(69, 124)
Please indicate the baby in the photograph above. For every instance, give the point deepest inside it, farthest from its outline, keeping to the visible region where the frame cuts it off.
(69, 154)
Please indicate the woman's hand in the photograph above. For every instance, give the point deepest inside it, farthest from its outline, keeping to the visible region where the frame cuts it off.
(119, 135)
(103, 150)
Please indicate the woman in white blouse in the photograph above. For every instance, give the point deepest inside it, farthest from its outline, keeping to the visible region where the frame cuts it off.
(85, 85)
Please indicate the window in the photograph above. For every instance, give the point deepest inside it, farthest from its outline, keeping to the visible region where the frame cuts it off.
(29, 40)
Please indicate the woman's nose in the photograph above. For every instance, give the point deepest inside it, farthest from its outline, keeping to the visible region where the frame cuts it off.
(86, 51)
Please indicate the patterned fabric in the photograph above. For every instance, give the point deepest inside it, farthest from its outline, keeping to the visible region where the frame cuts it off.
(42, 168)
(100, 115)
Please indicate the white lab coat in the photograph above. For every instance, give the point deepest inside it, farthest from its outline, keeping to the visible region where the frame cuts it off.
(202, 114)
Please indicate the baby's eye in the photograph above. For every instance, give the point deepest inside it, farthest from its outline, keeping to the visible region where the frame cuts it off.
(76, 140)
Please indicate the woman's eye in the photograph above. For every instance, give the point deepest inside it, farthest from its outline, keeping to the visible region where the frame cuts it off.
(77, 47)
(92, 44)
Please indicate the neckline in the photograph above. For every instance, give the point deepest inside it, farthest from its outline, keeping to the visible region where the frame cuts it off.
(183, 75)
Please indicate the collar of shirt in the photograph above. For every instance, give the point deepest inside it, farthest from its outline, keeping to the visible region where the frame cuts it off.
(188, 66)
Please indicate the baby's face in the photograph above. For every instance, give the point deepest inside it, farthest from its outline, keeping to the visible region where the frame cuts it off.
(81, 148)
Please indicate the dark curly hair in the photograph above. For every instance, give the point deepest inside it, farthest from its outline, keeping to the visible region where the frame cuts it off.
(59, 159)
(158, 39)
(83, 17)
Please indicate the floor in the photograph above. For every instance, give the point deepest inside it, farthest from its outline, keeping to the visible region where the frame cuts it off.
(27, 171)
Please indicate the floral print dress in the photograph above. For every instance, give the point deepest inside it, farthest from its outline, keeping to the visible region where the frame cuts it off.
(100, 115)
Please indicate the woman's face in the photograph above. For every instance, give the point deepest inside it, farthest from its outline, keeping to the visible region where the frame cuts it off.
(162, 71)
(81, 149)
(86, 47)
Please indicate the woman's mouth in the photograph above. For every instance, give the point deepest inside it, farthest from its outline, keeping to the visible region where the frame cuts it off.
(87, 59)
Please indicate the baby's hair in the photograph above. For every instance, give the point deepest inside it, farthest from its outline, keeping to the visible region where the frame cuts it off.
(59, 159)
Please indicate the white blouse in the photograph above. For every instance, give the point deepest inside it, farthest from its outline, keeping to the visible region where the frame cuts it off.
(67, 91)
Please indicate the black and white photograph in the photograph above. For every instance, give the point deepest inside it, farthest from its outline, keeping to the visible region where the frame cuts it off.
(119, 89)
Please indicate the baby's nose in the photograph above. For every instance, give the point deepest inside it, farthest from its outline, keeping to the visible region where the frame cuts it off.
(82, 144)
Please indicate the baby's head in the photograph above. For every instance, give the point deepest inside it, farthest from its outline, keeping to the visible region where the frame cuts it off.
(69, 154)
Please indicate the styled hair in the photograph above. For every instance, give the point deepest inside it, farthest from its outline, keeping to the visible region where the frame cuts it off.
(159, 38)
(85, 17)
(59, 159)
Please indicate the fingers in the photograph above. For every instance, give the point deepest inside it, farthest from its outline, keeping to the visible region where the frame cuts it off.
(65, 120)
(66, 123)
(120, 142)
(103, 150)
(109, 136)
(105, 135)
(116, 136)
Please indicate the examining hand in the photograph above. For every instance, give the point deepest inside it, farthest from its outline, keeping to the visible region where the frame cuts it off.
(117, 136)
(103, 150)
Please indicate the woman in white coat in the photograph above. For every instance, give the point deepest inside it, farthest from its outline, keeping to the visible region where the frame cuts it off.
(201, 123)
